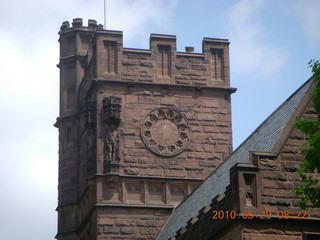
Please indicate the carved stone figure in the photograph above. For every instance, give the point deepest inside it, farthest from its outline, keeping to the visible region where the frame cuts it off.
(112, 144)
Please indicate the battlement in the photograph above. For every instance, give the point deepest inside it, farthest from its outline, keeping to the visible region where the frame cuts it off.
(161, 63)
(155, 39)
(91, 52)
(77, 24)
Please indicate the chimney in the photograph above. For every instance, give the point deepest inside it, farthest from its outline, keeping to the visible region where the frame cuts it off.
(189, 49)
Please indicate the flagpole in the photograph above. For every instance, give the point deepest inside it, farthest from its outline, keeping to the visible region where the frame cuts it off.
(105, 14)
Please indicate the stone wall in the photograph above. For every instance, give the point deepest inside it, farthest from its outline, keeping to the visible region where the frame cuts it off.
(209, 119)
(130, 223)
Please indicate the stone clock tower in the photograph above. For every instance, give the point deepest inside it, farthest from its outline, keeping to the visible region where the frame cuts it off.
(139, 129)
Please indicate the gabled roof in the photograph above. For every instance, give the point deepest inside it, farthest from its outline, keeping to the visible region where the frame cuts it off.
(263, 139)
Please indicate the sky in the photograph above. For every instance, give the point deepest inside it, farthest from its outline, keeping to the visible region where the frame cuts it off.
(272, 42)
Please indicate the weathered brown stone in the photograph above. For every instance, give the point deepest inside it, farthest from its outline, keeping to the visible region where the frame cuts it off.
(147, 223)
(148, 100)
(129, 62)
(206, 117)
(105, 221)
(131, 171)
(290, 166)
(285, 193)
(169, 101)
(269, 164)
(277, 184)
(127, 230)
(198, 67)
(124, 222)
(146, 63)
(276, 201)
(182, 66)
(275, 175)
(149, 231)
(108, 230)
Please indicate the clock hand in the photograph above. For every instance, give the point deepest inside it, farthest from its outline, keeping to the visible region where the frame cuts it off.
(164, 128)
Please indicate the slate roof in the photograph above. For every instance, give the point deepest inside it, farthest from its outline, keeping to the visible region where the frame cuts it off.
(263, 139)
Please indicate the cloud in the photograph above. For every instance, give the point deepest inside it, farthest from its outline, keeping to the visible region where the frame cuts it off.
(137, 18)
(28, 141)
(250, 50)
(307, 12)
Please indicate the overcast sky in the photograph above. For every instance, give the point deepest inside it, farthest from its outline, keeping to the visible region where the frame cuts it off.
(271, 44)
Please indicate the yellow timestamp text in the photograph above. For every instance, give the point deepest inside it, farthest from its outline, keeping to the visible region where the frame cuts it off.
(263, 215)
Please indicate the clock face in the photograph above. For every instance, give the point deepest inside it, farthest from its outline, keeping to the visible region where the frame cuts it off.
(165, 131)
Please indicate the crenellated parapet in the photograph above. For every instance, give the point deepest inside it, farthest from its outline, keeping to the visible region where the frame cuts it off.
(77, 24)
(101, 53)
(161, 62)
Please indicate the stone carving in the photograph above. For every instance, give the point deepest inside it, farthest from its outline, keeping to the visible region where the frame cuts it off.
(111, 191)
(249, 198)
(112, 144)
(156, 192)
(135, 191)
(112, 109)
(177, 192)
(134, 187)
(178, 189)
